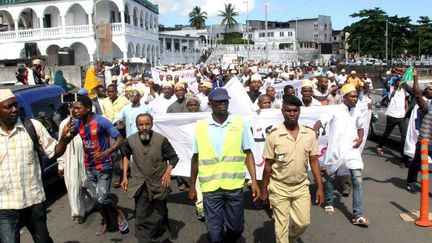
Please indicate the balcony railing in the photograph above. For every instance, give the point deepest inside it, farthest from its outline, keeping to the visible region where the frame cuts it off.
(72, 31)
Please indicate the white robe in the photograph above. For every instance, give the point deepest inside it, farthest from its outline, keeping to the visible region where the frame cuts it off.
(342, 126)
(72, 162)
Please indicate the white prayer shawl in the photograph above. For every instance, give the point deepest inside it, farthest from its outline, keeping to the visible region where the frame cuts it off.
(72, 162)
(343, 125)
(412, 135)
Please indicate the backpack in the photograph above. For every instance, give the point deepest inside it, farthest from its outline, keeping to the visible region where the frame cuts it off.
(29, 127)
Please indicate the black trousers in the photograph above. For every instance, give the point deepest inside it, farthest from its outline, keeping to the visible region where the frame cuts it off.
(414, 166)
(391, 122)
(152, 223)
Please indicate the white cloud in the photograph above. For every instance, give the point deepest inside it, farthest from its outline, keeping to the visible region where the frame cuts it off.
(212, 7)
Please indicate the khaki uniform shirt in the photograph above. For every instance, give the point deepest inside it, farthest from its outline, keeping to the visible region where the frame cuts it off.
(290, 156)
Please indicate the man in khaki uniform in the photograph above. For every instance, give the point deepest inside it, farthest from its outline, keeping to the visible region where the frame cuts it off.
(285, 180)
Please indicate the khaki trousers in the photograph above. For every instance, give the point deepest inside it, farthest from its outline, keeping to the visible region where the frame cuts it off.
(290, 202)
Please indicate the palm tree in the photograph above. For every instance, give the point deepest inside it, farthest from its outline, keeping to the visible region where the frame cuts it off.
(197, 18)
(228, 16)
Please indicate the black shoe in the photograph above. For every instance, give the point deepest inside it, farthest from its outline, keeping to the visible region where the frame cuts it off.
(411, 187)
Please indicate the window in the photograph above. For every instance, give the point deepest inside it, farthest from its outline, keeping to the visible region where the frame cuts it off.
(47, 21)
(290, 33)
(316, 35)
(112, 17)
(250, 36)
(261, 34)
(325, 37)
(48, 112)
(315, 25)
(270, 34)
(281, 34)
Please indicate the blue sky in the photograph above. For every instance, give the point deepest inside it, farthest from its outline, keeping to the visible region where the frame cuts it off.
(176, 11)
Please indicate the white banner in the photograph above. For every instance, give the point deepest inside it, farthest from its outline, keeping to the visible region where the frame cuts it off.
(188, 75)
(179, 127)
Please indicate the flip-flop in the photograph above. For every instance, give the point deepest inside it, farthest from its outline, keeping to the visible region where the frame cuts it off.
(102, 230)
(380, 151)
(361, 221)
(329, 210)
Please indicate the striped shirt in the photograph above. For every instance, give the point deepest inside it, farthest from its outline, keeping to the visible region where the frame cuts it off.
(96, 139)
(20, 173)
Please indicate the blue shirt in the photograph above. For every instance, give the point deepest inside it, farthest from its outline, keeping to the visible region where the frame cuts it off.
(129, 114)
(218, 133)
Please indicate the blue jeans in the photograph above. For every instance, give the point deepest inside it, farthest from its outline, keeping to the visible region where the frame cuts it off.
(100, 184)
(224, 208)
(356, 179)
(33, 217)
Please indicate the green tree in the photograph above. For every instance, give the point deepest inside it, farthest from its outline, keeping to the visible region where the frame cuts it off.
(421, 38)
(228, 16)
(367, 36)
(197, 18)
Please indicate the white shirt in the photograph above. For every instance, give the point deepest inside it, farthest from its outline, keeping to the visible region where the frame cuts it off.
(369, 82)
(396, 107)
(342, 78)
(342, 125)
(203, 102)
(160, 104)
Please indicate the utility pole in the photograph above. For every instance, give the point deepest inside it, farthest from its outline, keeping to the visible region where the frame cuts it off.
(266, 33)
(419, 49)
(386, 41)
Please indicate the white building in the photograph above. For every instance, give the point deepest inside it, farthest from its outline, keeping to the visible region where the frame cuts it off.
(278, 38)
(132, 25)
(176, 49)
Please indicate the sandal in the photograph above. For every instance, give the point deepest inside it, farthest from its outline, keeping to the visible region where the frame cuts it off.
(380, 151)
(329, 210)
(102, 230)
(361, 221)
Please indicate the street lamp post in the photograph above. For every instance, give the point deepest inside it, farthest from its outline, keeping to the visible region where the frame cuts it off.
(266, 34)
(247, 26)
(386, 41)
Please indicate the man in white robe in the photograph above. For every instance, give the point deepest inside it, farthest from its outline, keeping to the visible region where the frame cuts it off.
(346, 133)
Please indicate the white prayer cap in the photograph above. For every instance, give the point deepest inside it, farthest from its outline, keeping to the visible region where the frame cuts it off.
(37, 62)
(256, 77)
(215, 71)
(5, 94)
(166, 84)
(330, 74)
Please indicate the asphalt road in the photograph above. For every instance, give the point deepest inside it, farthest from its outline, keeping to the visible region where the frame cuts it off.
(384, 198)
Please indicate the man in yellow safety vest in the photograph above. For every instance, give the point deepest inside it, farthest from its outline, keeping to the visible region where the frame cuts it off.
(221, 153)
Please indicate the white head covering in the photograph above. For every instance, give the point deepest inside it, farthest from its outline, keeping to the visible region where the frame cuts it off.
(5, 94)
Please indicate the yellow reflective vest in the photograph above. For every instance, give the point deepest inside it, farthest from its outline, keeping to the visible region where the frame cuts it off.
(227, 172)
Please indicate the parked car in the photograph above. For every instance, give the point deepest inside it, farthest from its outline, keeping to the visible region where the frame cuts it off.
(42, 103)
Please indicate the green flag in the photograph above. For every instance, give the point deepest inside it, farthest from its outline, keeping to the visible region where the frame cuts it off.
(408, 75)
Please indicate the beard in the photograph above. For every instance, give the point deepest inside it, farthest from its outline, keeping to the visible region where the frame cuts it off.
(145, 138)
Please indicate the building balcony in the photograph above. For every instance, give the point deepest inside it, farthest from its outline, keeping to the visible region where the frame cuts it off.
(76, 31)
